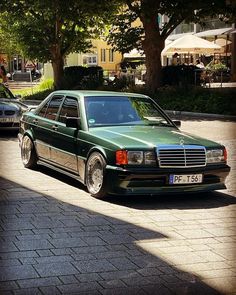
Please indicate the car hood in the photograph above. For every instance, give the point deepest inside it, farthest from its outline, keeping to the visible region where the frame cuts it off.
(6, 105)
(148, 136)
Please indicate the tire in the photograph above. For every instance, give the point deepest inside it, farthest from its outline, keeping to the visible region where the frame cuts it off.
(28, 153)
(95, 177)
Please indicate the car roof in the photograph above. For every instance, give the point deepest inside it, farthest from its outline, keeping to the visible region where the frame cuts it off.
(87, 93)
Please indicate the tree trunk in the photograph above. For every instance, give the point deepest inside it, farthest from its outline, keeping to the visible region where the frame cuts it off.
(58, 71)
(153, 45)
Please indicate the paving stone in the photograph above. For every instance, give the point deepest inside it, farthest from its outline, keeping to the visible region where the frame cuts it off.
(33, 245)
(51, 290)
(112, 284)
(124, 291)
(9, 285)
(30, 291)
(52, 259)
(18, 225)
(17, 272)
(93, 241)
(39, 282)
(9, 262)
(7, 247)
(123, 263)
(119, 274)
(68, 279)
(45, 252)
(27, 260)
(88, 266)
(90, 250)
(79, 287)
(88, 277)
(18, 254)
(62, 251)
(33, 237)
(68, 243)
(55, 269)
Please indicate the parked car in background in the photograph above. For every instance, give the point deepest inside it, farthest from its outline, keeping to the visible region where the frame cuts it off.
(11, 109)
(119, 143)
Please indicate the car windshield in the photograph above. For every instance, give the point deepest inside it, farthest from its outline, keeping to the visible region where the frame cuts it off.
(123, 110)
(5, 93)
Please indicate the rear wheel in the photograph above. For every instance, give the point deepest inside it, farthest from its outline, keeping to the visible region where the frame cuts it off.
(96, 180)
(28, 153)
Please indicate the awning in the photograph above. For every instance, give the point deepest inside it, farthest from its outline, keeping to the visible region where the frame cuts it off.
(177, 36)
(215, 32)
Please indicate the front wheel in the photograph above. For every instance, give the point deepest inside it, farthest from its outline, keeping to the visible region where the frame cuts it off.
(28, 153)
(96, 175)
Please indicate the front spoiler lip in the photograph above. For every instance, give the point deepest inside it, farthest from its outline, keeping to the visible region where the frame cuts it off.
(160, 171)
(123, 180)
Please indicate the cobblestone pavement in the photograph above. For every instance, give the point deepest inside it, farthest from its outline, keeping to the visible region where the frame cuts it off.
(56, 239)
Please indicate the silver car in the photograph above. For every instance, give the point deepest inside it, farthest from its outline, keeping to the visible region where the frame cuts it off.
(11, 109)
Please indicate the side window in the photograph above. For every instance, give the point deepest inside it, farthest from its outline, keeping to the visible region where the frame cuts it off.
(70, 108)
(42, 111)
(53, 107)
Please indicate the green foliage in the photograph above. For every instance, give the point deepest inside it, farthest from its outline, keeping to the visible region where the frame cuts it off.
(45, 84)
(50, 30)
(79, 77)
(216, 67)
(41, 95)
(123, 36)
(194, 99)
(151, 38)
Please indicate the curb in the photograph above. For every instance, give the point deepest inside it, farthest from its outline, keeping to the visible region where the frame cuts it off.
(181, 114)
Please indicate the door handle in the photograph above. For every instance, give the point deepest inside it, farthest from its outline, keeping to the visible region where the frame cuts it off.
(54, 127)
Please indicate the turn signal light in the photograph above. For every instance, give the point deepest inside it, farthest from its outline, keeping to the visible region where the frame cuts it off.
(121, 158)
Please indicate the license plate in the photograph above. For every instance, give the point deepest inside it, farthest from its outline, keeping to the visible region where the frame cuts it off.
(185, 179)
(6, 120)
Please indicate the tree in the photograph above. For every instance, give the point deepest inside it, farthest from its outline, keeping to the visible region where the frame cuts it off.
(153, 33)
(51, 29)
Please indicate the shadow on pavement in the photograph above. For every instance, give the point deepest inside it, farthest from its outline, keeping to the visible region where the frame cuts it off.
(50, 245)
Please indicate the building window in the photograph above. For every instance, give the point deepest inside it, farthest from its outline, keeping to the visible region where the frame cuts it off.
(92, 60)
(111, 55)
(103, 55)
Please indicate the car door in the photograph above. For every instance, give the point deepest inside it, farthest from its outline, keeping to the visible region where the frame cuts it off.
(64, 139)
(44, 125)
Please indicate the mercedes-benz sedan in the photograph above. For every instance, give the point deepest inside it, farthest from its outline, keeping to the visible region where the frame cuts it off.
(119, 143)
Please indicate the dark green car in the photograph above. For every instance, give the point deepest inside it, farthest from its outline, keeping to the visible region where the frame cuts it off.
(119, 143)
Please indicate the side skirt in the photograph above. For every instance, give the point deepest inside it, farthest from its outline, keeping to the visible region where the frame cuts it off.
(70, 174)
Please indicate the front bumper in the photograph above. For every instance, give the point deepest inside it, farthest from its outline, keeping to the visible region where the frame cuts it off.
(156, 181)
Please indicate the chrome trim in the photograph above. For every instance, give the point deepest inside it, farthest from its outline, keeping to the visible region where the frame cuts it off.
(181, 156)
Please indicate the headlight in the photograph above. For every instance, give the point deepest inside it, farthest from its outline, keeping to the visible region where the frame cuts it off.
(216, 156)
(135, 157)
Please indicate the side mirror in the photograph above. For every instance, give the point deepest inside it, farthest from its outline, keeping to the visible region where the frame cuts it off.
(18, 96)
(73, 122)
(177, 123)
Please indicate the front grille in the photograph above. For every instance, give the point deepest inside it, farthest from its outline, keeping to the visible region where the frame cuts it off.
(176, 156)
(9, 112)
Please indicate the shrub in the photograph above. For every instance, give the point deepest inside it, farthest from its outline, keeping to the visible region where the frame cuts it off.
(78, 77)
